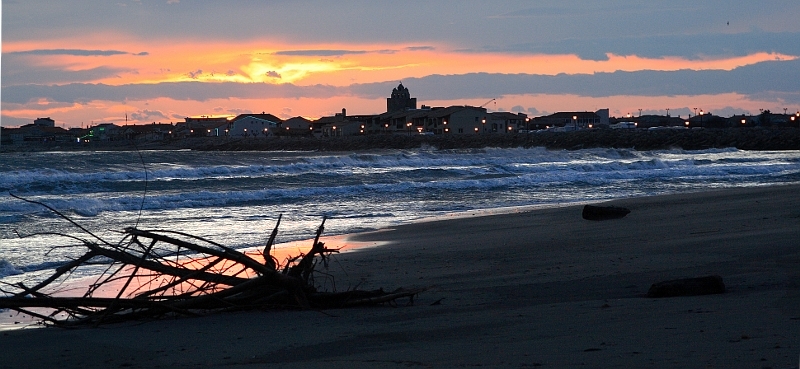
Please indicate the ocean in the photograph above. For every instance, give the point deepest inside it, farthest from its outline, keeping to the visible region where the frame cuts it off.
(235, 198)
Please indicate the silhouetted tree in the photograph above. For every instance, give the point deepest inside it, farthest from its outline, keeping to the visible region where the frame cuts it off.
(765, 118)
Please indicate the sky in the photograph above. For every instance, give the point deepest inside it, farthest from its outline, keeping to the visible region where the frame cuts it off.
(85, 62)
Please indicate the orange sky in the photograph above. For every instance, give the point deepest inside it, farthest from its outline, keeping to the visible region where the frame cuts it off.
(258, 63)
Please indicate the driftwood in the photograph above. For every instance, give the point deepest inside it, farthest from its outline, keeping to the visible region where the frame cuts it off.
(708, 285)
(158, 273)
(593, 212)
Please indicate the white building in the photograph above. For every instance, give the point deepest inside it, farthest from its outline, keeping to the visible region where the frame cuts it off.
(253, 126)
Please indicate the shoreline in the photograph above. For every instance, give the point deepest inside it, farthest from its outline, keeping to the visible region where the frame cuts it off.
(531, 288)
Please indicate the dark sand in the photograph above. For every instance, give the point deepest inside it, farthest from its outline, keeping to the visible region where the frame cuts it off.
(542, 288)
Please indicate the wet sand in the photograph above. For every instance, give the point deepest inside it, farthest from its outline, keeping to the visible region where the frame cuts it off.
(542, 288)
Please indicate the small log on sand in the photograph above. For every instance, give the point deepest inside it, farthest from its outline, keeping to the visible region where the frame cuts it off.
(592, 212)
(708, 285)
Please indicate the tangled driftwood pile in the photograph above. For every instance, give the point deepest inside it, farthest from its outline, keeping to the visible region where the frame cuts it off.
(158, 273)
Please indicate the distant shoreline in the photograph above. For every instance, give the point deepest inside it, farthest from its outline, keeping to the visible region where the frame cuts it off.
(638, 139)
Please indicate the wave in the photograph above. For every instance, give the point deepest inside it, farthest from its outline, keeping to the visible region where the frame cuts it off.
(298, 178)
(7, 269)
(66, 181)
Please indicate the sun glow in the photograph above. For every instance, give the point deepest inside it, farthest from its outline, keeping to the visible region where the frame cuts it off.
(139, 63)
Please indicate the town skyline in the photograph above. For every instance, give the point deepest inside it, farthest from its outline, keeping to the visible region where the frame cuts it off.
(161, 61)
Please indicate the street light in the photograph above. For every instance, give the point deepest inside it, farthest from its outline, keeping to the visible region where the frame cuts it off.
(575, 122)
(701, 117)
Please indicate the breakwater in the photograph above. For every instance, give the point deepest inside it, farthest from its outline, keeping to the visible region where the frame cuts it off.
(694, 139)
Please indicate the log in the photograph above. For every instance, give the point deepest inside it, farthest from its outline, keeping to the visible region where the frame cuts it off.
(592, 212)
(211, 280)
(707, 285)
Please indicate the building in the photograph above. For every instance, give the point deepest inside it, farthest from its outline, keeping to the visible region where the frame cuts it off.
(254, 125)
(31, 133)
(44, 122)
(202, 126)
(400, 100)
(571, 120)
(297, 126)
(505, 122)
(148, 132)
(340, 124)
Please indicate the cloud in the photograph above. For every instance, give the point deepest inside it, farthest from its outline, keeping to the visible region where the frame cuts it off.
(239, 111)
(774, 78)
(320, 52)
(691, 47)
(9, 121)
(195, 91)
(273, 74)
(148, 115)
(74, 52)
(420, 48)
(195, 74)
(15, 73)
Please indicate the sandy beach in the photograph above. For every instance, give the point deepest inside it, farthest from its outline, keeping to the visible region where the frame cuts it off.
(542, 288)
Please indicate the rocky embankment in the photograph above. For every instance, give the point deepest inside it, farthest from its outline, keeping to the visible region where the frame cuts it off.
(746, 139)
(696, 139)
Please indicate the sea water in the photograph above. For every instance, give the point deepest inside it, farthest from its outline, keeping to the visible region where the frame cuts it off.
(235, 198)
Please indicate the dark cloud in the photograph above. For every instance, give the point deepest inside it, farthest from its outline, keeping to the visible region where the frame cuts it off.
(773, 76)
(776, 79)
(9, 121)
(15, 73)
(420, 48)
(197, 91)
(273, 74)
(74, 52)
(660, 46)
